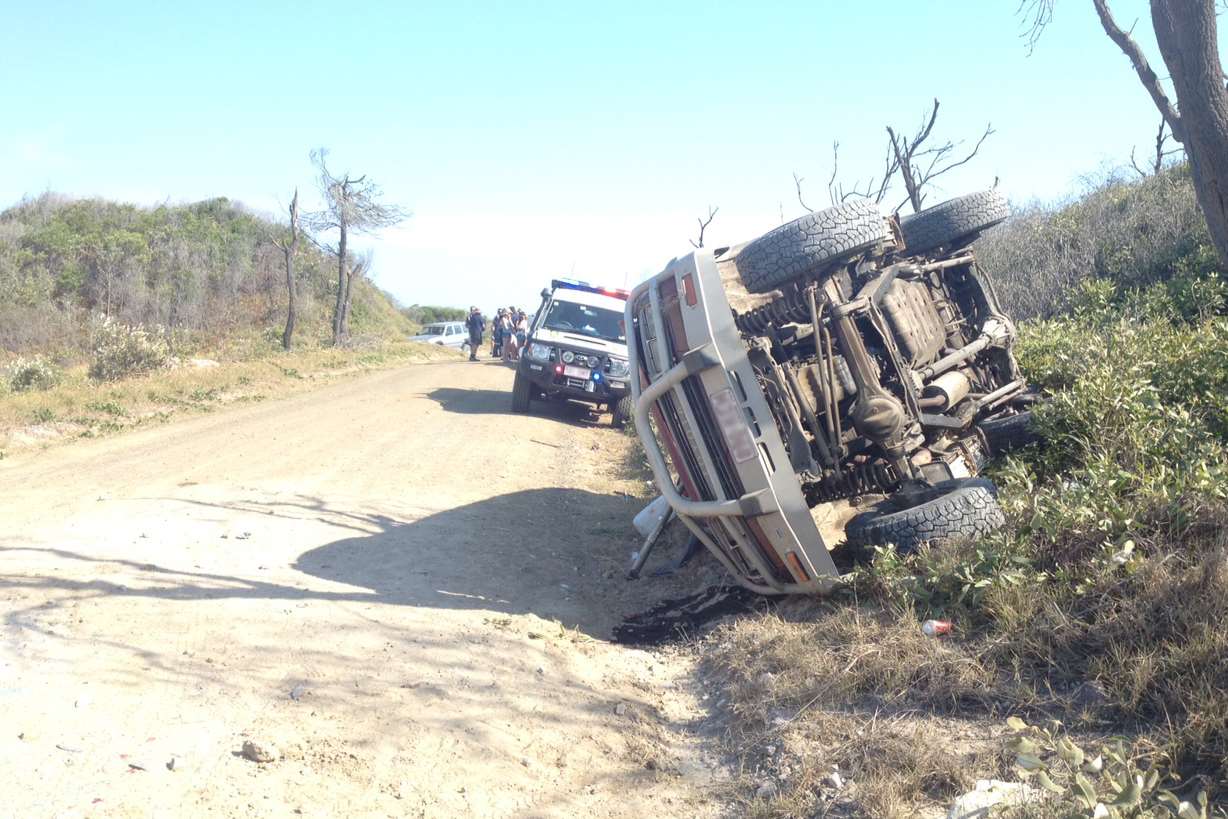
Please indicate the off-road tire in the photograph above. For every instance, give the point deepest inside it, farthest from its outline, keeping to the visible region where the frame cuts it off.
(621, 412)
(1009, 432)
(522, 393)
(965, 508)
(808, 244)
(954, 223)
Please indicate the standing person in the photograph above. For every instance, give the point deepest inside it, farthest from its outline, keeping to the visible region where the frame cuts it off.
(496, 333)
(521, 328)
(476, 325)
(504, 328)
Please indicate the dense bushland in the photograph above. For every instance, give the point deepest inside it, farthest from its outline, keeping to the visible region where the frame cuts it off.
(1131, 232)
(199, 271)
(429, 314)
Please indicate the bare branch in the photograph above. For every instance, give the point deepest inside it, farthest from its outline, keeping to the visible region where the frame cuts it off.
(703, 224)
(1134, 164)
(797, 183)
(835, 166)
(1146, 75)
(924, 133)
(351, 202)
(975, 148)
(1036, 14)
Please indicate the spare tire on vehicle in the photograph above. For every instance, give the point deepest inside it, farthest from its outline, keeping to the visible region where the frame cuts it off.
(954, 223)
(952, 510)
(808, 244)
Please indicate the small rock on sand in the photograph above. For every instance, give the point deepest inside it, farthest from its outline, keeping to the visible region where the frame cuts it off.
(259, 751)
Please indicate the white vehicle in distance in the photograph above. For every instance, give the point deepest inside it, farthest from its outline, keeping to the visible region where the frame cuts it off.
(446, 334)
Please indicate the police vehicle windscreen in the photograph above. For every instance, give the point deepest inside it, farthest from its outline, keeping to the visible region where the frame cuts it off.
(586, 320)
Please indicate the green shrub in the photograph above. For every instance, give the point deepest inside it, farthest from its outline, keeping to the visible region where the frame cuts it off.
(121, 350)
(1113, 568)
(25, 374)
(1110, 784)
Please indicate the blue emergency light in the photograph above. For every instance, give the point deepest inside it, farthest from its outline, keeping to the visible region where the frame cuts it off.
(572, 284)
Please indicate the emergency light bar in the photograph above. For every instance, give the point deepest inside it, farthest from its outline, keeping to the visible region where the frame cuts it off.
(572, 284)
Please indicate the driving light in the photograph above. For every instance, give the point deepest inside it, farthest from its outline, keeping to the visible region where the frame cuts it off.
(619, 368)
(596, 376)
(568, 357)
(539, 352)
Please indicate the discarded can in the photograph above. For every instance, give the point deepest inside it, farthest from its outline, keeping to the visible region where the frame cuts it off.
(932, 628)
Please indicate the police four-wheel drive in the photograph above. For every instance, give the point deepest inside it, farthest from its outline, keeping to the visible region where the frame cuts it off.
(577, 350)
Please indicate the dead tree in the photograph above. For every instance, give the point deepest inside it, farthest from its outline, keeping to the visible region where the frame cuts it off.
(703, 225)
(351, 206)
(1186, 33)
(920, 163)
(287, 246)
(916, 159)
(1161, 154)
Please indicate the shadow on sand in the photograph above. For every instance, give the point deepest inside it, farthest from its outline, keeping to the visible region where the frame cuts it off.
(498, 402)
(558, 553)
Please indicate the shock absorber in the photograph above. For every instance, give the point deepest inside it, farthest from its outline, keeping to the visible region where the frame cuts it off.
(791, 308)
(851, 481)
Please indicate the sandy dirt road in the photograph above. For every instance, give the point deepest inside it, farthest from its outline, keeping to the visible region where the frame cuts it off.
(403, 588)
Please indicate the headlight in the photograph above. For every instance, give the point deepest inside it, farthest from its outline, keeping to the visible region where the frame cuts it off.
(539, 352)
(568, 356)
(619, 368)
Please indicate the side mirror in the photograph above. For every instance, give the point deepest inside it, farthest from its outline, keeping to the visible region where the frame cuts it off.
(545, 292)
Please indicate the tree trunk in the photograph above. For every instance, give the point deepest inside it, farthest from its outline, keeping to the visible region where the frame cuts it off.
(345, 313)
(287, 336)
(342, 286)
(1186, 34)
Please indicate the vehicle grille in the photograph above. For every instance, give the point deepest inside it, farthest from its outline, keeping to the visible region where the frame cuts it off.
(701, 408)
(669, 411)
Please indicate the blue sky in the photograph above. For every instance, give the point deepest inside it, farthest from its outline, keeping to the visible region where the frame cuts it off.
(554, 138)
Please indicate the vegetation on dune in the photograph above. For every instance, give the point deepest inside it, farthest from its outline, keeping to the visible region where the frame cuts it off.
(1101, 604)
(1133, 233)
(429, 314)
(201, 271)
(93, 293)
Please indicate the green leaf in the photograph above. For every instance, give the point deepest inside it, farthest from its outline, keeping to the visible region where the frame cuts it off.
(1187, 811)
(1048, 784)
(1016, 724)
(1130, 795)
(1023, 745)
(1170, 799)
(1029, 762)
(1086, 789)
(1069, 752)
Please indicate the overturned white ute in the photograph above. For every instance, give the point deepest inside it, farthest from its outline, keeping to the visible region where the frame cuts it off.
(847, 371)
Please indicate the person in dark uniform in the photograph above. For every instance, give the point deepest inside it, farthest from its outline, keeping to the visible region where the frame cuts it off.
(476, 325)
